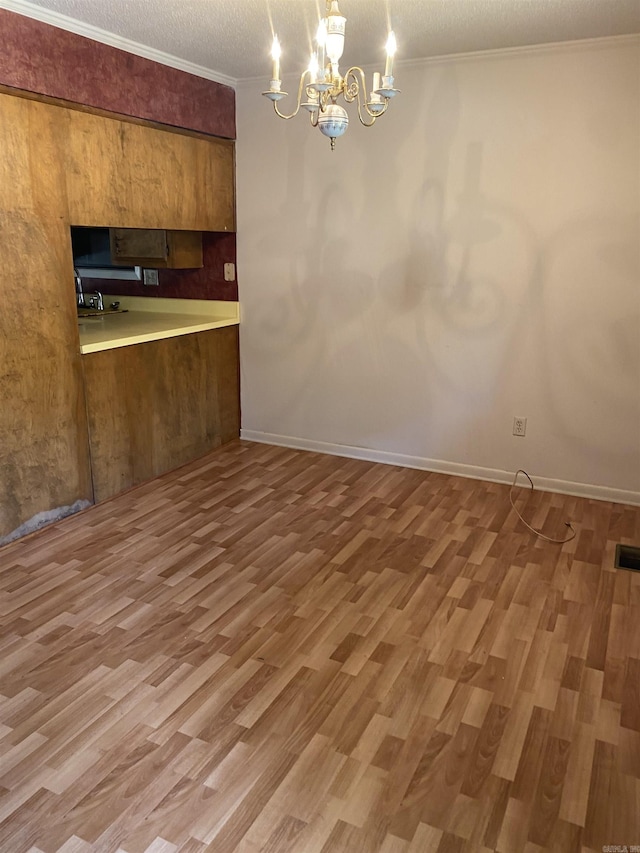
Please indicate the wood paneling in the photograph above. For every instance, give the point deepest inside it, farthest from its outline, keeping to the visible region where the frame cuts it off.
(272, 651)
(155, 406)
(61, 167)
(129, 176)
(44, 458)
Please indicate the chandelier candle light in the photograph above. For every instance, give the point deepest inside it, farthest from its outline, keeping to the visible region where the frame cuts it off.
(321, 84)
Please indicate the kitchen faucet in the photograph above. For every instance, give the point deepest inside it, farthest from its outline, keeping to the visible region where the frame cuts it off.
(87, 300)
(79, 293)
(94, 300)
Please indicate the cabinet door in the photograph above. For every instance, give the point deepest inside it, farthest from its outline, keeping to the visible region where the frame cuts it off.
(184, 250)
(132, 245)
(156, 248)
(155, 406)
(129, 176)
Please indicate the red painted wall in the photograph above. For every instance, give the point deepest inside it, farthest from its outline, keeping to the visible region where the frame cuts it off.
(50, 61)
(40, 58)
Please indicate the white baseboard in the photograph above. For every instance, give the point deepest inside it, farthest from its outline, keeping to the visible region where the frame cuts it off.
(493, 475)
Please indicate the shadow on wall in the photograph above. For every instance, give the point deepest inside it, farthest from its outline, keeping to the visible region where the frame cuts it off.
(592, 359)
(343, 309)
(468, 298)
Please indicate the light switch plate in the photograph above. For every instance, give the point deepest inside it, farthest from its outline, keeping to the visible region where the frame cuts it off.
(149, 276)
(229, 272)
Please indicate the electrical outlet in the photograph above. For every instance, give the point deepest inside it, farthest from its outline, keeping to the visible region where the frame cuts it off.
(520, 426)
(229, 272)
(149, 276)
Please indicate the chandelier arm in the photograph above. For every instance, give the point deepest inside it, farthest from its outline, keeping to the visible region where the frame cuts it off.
(299, 100)
(352, 92)
(374, 116)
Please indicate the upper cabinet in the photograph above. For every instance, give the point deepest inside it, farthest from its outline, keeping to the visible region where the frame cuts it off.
(135, 176)
(159, 249)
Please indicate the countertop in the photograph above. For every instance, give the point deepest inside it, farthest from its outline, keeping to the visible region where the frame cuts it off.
(151, 319)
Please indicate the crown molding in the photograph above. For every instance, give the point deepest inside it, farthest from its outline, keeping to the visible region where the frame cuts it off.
(602, 42)
(63, 22)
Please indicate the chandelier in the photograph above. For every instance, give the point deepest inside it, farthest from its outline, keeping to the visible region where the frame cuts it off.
(321, 84)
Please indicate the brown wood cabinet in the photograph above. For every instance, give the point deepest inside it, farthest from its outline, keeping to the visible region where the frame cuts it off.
(125, 175)
(61, 167)
(155, 406)
(156, 248)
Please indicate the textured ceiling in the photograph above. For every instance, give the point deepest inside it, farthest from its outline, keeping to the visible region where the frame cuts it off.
(232, 37)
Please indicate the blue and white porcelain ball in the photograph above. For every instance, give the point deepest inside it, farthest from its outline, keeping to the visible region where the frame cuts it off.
(333, 121)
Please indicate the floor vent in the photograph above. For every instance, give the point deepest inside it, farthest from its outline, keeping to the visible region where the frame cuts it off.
(628, 557)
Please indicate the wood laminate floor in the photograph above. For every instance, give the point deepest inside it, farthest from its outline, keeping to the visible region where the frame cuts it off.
(273, 651)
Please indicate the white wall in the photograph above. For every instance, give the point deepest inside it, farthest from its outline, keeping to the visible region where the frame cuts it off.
(474, 256)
